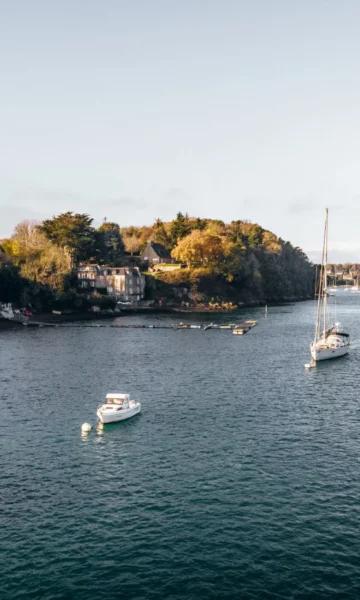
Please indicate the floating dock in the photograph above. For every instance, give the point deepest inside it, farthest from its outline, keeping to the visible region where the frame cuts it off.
(241, 327)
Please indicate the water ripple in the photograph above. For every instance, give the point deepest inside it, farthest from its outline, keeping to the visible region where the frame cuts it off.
(240, 479)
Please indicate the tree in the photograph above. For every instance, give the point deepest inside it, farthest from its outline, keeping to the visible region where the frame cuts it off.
(235, 232)
(160, 234)
(252, 233)
(136, 238)
(109, 243)
(73, 232)
(199, 249)
(38, 259)
(271, 242)
(235, 265)
(199, 224)
(132, 244)
(11, 283)
(216, 227)
(180, 227)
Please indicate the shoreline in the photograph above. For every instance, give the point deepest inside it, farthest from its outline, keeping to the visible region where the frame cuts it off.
(44, 318)
(143, 310)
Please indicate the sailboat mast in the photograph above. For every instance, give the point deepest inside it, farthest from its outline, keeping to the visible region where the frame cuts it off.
(326, 235)
(321, 304)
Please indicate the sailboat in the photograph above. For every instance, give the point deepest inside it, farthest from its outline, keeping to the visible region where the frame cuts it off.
(330, 341)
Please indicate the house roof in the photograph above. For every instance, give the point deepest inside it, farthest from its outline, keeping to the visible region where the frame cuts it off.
(108, 270)
(159, 249)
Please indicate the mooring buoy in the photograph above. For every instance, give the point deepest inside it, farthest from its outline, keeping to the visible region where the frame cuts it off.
(86, 428)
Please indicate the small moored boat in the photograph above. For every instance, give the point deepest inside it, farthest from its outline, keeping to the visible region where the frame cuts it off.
(118, 407)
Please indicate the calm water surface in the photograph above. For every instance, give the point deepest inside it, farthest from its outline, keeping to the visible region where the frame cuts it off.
(240, 479)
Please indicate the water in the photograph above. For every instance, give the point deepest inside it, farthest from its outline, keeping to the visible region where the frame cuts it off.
(240, 479)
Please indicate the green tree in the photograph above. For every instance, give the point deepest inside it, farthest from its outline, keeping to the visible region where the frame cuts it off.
(179, 228)
(11, 283)
(160, 235)
(109, 243)
(73, 232)
(199, 224)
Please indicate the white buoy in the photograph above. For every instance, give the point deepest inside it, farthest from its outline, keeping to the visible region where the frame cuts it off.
(86, 428)
(310, 365)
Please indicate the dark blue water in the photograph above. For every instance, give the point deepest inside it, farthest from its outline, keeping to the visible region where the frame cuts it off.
(240, 479)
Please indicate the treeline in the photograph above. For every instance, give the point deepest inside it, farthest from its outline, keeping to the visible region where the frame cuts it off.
(37, 263)
(239, 261)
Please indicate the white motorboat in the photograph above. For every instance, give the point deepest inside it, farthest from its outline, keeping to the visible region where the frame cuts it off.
(330, 341)
(118, 407)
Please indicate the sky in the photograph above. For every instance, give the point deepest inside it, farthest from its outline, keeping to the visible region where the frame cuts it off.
(224, 109)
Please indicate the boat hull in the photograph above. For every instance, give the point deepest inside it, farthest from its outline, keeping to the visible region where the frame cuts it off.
(113, 416)
(318, 354)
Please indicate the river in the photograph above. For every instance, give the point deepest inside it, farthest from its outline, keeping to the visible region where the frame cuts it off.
(240, 478)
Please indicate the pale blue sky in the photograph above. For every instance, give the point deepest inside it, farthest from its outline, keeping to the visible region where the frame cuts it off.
(229, 109)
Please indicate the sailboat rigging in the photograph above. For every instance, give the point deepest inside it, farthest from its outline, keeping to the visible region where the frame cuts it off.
(330, 341)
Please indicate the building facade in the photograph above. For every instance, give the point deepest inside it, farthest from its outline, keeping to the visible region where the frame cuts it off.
(126, 284)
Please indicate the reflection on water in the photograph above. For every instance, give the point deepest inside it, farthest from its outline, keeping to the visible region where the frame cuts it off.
(99, 428)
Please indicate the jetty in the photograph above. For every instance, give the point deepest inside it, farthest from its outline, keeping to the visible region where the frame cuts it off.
(243, 326)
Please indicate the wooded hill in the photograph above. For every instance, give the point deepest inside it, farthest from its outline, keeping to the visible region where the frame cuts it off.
(238, 262)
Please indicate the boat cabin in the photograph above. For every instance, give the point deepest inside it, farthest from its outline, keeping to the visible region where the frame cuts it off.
(118, 399)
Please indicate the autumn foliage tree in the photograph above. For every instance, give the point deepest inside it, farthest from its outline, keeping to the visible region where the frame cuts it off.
(199, 249)
(37, 258)
(135, 238)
